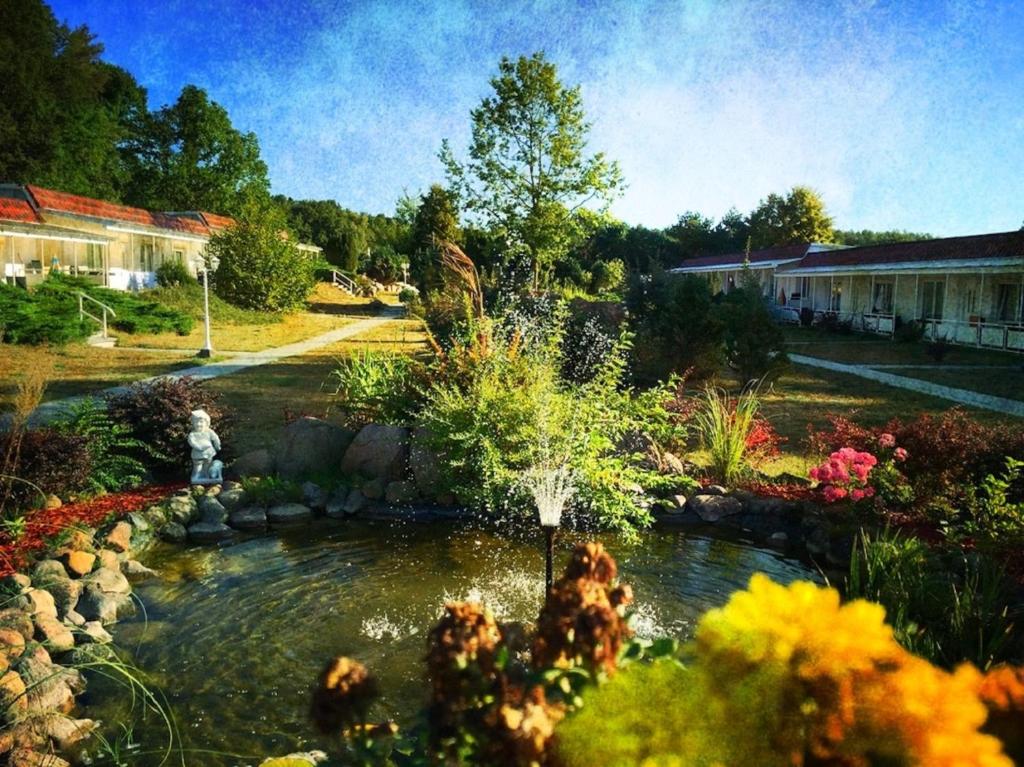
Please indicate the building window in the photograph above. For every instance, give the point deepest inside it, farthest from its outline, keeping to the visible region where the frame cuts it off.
(970, 302)
(881, 302)
(179, 256)
(93, 256)
(146, 257)
(932, 295)
(837, 298)
(1008, 302)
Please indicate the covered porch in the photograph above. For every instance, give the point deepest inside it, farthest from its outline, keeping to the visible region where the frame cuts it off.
(981, 307)
(29, 253)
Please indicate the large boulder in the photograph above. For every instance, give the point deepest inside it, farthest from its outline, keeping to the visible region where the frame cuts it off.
(712, 508)
(106, 607)
(211, 510)
(255, 463)
(209, 532)
(424, 463)
(310, 446)
(251, 518)
(398, 493)
(379, 451)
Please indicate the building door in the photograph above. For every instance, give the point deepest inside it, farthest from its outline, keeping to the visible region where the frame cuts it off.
(932, 296)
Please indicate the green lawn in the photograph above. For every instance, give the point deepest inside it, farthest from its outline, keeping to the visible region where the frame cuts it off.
(870, 349)
(264, 396)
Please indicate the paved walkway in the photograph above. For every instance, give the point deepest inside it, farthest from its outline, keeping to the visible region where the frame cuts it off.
(239, 361)
(961, 396)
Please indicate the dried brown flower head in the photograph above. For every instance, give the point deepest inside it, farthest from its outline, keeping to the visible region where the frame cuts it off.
(582, 620)
(344, 693)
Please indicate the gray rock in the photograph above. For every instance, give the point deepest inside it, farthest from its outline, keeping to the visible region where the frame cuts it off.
(209, 532)
(74, 618)
(98, 605)
(232, 498)
(139, 522)
(41, 602)
(355, 502)
(156, 516)
(314, 496)
(672, 464)
(373, 489)
(335, 507)
(49, 687)
(400, 492)
(134, 570)
(310, 446)
(39, 731)
(378, 451)
(255, 463)
(17, 583)
(818, 540)
(286, 513)
(252, 518)
(54, 635)
(108, 581)
(424, 463)
(712, 508)
(714, 490)
(65, 595)
(211, 510)
(173, 532)
(778, 540)
(93, 633)
(17, 620)
(180, 508)
(48, 571)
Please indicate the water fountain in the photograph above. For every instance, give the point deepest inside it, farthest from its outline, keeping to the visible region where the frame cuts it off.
(551, 487)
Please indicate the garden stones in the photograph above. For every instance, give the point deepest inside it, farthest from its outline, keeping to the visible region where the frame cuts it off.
(314, 496)
(78, 563)
(232, 498)
(252, 518)
(289, 513)
(173, 532)
(712, 508)
(209, 532)
(379, 451)
(120, 537)
(309, 446)
(400, 492)
(54, 635)
(211, 510)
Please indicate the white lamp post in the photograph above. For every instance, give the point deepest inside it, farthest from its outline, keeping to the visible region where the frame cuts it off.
(207, 349)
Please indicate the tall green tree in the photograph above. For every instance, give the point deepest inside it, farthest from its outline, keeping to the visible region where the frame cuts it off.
(797, 217)
(436, 219)
(860, 237)
(528, 168)
(188, 156)
(63, 111)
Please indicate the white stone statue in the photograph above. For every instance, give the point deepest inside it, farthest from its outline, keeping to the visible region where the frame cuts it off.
(204, 443)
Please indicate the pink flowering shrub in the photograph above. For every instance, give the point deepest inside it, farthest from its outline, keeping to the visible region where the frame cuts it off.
(845, 475)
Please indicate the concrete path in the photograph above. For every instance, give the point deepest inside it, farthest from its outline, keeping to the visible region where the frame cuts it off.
(238, 361)
(961, 396)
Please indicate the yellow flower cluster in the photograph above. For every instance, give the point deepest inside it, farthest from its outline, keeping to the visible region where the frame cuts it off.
(832, 685)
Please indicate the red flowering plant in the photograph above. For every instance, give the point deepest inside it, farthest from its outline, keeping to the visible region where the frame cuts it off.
(844, 475)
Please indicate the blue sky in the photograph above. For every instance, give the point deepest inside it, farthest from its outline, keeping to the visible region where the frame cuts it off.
(903, 115)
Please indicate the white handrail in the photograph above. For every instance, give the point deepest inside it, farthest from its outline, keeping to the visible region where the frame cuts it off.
(82, 313)
(344, 282)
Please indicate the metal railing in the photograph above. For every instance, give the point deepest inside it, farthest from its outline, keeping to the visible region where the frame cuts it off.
(82, 313)
(339, 280)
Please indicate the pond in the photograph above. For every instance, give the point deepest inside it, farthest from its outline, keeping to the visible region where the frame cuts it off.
(234, 637)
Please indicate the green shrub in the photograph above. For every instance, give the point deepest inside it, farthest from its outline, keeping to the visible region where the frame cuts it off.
(677, 329)
(994, 511)
(499, 407)
(48, 461)
(946, 606)
(753, 340)
(258, 268)
(375, 386)
(725, 424)
(157, 413)
(908, 332)
(112, 450)
(607, 276)
(172, 273)
(270, 491)
(49, 313)
(188, 299)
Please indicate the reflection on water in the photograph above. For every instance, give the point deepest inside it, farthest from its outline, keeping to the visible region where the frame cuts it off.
(234, 637)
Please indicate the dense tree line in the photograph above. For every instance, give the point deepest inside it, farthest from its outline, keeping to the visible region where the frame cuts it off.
(72, 121)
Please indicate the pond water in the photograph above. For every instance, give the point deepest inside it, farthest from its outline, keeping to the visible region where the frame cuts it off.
(234, 637)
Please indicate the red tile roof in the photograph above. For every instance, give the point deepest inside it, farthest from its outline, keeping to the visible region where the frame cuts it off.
(215, 221)
(782, 253)
(73, 204)
(977, 246)
(17, 210)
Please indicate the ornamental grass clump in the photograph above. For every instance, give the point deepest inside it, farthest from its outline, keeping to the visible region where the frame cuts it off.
(725, 425)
